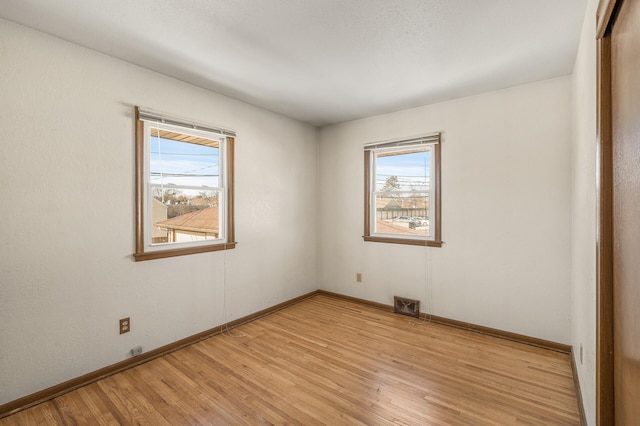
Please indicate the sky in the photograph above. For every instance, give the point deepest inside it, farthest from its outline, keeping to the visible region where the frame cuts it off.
(412, 170)
(180, 163)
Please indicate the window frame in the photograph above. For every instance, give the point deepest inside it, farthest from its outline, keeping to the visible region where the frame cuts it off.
(435, 196)
(143, 247)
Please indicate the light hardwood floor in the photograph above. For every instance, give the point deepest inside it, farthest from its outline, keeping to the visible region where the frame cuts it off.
(330, 361)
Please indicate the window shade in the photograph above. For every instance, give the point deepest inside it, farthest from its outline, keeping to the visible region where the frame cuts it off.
(157, 117)
(431, 139)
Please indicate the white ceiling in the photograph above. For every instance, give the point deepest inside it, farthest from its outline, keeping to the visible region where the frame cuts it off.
(325, 61)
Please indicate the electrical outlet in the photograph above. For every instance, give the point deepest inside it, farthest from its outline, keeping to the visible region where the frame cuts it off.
(136, 351)
(125, 325)
(359, 277)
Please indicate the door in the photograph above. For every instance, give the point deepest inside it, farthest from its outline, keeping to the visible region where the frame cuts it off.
(620, 61)
(625, 120)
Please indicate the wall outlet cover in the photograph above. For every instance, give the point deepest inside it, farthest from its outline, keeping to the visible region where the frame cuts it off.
(125, 325)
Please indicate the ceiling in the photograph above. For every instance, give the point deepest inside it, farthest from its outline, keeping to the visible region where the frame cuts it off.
(325, 61)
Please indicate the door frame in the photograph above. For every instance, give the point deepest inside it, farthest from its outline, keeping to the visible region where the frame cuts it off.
(605, 403)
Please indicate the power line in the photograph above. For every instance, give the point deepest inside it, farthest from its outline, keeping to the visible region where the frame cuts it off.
(159, 174)
(183, 153)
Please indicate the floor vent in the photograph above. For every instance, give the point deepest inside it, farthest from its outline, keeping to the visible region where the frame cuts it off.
(404, 306)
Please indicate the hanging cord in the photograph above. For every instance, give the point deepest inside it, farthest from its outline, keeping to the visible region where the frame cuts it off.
(160, 158)
(224, 328)
(428, 290)
(428, 284)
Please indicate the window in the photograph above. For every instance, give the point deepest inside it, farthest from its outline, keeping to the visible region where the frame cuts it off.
(402, 191)
(184, 187)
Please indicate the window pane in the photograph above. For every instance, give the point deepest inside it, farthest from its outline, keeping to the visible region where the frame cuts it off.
(194, 218)
(402, 213)
(405, 170)
(174, 162)
(402, 191)
(184, 181)
(184, 187)
(403, 187)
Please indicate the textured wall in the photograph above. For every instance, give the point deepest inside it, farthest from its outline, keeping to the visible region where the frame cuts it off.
(506, 205)
(66, 168)
(67, 214)
(583, 276)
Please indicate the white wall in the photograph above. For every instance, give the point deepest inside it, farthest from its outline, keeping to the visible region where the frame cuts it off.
(506, 205)
(67, 214)
(518, 193)
(583, 259)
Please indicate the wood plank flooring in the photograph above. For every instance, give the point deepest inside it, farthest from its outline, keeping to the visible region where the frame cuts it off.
(334, 362)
